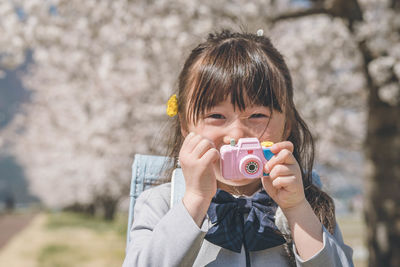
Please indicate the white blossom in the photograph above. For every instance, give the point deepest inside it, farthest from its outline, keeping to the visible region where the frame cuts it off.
(103, 71)
(390, 93)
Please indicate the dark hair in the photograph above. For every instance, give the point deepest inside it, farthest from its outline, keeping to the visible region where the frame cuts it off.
(246, 67)
(240, 65)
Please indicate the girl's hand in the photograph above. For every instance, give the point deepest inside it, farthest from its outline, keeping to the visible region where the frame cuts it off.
(284, 183)
(198, 158)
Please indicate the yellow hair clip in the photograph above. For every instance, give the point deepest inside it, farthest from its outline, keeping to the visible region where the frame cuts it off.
(172, 106)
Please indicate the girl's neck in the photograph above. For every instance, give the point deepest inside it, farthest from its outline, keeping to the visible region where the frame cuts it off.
(243, 190)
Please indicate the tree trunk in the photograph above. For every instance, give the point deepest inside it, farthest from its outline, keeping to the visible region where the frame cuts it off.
(382, 152)
(382, 213)
(10, 203)
(108, 206)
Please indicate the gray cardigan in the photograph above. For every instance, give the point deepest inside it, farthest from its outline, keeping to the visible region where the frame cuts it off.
(161, 236)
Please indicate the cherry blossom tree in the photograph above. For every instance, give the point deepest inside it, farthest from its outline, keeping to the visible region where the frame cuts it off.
(100, 80)
(101, 75)
(373, 29)
(104, 69)
(12, 45)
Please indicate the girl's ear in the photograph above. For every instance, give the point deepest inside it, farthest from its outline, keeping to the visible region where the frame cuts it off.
(287, 129)
(183, 126)
(184, 132)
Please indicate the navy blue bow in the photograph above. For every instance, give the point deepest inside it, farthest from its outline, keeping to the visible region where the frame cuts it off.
(230, 230)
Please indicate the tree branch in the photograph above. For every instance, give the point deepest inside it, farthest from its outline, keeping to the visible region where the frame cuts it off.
(301, 13)
(346, 9)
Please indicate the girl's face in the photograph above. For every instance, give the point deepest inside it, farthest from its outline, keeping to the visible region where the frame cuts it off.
(223, 122)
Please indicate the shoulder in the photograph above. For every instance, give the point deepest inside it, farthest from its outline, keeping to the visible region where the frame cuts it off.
(157, 197)
(159, 190)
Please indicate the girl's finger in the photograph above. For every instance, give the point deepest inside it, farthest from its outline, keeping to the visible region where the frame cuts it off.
(202, 147)
(211, 155)
(283, 181)
(277, 147)
(192, 142)
(283, 157)
(187, 140)
(267, 184)
(280, 170)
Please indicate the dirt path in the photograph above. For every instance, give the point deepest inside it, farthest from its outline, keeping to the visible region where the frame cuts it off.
(11, 224)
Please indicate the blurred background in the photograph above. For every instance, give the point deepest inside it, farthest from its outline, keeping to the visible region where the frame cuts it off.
(83, 87)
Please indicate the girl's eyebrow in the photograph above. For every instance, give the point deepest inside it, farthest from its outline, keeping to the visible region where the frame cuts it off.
(258, 108)
(214, 110)
(218, 106)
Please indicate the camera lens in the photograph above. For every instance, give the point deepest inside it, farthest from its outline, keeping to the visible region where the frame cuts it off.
(251, 167)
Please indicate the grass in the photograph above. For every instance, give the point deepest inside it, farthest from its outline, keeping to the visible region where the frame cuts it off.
(60, 255)
(353, 230)
(67, 239)
(67, 220)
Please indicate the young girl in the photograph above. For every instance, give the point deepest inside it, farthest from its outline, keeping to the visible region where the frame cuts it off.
(232, 86)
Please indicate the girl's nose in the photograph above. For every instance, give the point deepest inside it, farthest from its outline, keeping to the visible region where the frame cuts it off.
(236, 131)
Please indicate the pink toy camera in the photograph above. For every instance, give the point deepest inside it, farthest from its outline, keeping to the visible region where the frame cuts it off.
(246, 159)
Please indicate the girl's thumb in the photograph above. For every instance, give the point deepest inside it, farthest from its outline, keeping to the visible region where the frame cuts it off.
(267, 184)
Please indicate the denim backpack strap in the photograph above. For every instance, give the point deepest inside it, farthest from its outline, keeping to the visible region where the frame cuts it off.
(146, 171)
(177, 186)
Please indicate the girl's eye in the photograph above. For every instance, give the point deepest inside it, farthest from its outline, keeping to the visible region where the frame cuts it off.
(215, 119)
(258, 115)
(216, 116)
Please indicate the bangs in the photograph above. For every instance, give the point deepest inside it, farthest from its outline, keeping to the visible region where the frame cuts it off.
(237, 69)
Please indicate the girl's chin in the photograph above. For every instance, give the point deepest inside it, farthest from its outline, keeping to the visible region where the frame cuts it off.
(237, 182)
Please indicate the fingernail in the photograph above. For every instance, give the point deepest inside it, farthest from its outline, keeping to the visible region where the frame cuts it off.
(274, 149)
(266, 168)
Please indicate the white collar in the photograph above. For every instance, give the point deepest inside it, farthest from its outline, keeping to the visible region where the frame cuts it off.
(237, 196)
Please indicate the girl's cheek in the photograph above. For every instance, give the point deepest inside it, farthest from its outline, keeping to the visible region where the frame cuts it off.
(272, 135)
